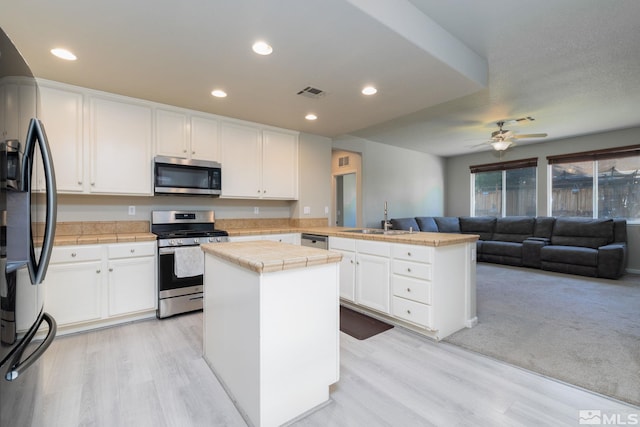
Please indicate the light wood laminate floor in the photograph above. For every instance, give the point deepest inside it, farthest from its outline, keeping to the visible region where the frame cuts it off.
(151, 373)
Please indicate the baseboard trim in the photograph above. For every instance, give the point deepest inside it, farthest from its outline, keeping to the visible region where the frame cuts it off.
(470, 323)
(633, 270)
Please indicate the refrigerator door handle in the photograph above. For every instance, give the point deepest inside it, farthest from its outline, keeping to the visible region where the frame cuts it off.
(17, 367)
(36, 134)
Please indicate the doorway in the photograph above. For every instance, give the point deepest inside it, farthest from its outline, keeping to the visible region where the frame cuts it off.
(346, 204)
(347, 188)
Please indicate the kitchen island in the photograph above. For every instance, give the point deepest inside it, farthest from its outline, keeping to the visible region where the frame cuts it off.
(271, 326)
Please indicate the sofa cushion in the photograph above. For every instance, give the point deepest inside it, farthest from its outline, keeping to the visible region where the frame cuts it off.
(481, 225)
(544, 227)
(510, 249)
(447, 224)
(569, 255)
(427, 223)
(514, 228)
(584, 232)
(404, 224)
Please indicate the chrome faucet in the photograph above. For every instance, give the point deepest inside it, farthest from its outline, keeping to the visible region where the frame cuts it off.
(386, 221)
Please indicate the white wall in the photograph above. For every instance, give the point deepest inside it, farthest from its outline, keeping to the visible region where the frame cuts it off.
(411, 182)
(458, 184)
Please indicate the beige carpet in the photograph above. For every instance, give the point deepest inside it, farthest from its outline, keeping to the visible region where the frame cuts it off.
(579, 330)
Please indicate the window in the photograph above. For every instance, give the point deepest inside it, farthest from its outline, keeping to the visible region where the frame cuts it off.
(596, 184)
(505, 188)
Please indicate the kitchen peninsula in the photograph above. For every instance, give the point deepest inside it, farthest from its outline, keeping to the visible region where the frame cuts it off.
(271, 326)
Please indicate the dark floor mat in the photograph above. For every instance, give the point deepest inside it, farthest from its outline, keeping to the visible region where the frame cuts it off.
(360, 326)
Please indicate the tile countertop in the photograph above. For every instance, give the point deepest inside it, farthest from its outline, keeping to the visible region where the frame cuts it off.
(98, 232)
(265, 256)
(415, 238)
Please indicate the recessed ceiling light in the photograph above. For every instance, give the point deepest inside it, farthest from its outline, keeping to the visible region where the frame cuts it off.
(311, 116)
(63, 54)
(369, 90)
(219, 93)
(262, 48)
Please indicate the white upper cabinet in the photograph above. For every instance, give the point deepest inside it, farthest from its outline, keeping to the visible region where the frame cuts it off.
(204, 138)
(241, 161)
(172, 134)
(186, 136)
(120, 147)
(258, 163)
(279, 165)
(18, 97)
(61, 113)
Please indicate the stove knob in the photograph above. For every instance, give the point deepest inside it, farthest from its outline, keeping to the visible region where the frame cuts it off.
(211, 239)
(180, 241)
(218, 239)
(172, 242)
(196, 240)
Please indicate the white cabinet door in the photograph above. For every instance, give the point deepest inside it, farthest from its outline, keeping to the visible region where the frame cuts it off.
(292, 238)
(172, 134)
(279, 165)
(73, 292)
(204, 139)
(61, 112)
(373, 282)
(348, 275)
(131, 285)
(120, 147)
(241, 161)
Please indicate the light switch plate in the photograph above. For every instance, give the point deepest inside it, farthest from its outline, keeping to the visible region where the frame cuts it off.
(307, 210)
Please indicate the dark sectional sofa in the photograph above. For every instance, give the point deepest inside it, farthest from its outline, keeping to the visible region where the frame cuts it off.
(584, 246)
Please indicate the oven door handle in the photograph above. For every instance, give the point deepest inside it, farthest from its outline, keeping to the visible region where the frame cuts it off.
(172, 250)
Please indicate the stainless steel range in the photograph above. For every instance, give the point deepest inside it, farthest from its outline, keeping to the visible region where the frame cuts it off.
(180, 260)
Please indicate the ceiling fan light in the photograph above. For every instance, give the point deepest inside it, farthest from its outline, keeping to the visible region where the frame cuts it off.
(501, 145)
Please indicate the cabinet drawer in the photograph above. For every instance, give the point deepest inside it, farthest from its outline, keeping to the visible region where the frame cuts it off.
(342, 243)
(412, 311)
(412, 269)
(373, 248)
(416, 290)
(128, 250)
(413, 253)
(75, 253)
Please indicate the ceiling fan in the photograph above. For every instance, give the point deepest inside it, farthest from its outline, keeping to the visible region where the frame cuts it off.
(504, 138)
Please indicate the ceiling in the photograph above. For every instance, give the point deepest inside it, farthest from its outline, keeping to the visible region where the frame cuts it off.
(446, 71)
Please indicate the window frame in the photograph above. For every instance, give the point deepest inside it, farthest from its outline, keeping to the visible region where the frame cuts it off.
(593, 156)
(502, 167)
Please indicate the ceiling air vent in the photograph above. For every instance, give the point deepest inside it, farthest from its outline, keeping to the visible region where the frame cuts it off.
(343, 161)
(312, 92)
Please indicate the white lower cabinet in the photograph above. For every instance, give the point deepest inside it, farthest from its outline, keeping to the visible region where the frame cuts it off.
(424, 288)
(94, 285)
(131, 278)
(73, 291)
(364, 272)
(412, 283)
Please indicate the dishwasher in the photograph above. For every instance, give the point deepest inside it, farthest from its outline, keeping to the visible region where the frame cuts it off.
(314, 241)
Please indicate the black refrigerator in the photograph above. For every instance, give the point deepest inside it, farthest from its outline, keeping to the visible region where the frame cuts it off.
(27, 214)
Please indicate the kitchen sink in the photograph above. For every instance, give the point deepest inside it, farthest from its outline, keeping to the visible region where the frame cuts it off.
(377, 231)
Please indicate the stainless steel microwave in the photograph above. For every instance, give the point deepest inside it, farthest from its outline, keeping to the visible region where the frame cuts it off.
(186, 177)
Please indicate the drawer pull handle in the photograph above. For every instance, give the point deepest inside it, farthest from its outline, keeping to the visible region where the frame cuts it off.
(408, 289)
(133, 251)
(408, 253)
(98, 271)
(351, 261)
(408, 311)
(73, 254)
(110, 270)
(408, 270)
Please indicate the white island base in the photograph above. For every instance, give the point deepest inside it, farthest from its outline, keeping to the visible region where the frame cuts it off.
(272, 337)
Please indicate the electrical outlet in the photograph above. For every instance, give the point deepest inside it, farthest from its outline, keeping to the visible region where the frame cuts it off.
(306, 210)
(326, 210)
(256, 210)
(132, 210)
